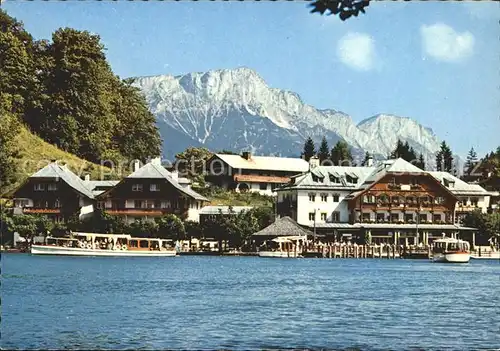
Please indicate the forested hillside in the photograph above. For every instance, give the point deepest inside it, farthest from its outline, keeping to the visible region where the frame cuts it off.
(65, 92)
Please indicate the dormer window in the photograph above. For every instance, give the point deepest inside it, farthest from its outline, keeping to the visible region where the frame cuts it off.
(334, 179)
(316, 179)
(39, 187)
(449, 183)
(137, 187)
(351, 178)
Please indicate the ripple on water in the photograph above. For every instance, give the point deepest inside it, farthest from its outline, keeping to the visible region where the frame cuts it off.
(247, 303)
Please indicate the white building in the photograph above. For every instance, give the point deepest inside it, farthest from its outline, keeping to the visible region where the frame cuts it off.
(392, 199)
(262, 174)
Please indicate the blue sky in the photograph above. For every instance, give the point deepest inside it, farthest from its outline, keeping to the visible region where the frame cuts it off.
(437, 62)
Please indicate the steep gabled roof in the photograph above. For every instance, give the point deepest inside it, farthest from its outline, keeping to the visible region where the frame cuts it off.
(215, 210)
(284, 226)
(322, 177)
(54, 170)
(152, 170)
(266, 163)
(460, 187)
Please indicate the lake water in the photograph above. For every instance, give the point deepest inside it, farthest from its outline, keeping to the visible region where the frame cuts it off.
(247, 303)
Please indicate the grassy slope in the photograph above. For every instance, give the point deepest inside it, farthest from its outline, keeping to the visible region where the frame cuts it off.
(227, 198)
(34, 154)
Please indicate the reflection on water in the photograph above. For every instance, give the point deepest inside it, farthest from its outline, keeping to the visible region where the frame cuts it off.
(247, 303)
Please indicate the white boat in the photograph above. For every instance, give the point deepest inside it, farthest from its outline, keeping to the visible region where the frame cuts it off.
(95, 244)
(451, 251)
(284, 247)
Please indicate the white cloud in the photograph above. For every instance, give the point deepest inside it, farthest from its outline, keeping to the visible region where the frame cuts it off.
(443, 43)
(357, 50)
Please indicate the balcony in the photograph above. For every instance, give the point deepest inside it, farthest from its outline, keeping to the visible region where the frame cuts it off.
(143, 211)
(41, 210)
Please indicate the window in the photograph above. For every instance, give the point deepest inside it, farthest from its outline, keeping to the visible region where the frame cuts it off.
(323, 216)
(312, 197)
(368, 199)
(39, 187)
(137, 187)
(334, 179)
(351, 179)
(154, 187)
(311, 216)
(144, 244)
(324, 197)
(137, 203)
(394, 217)
(52, 187)
(101, 204)
(336, 216)
(158, 204)
(439, 200)
(336, 197)
(380, 217)
(411, 200)
(414, 181)
(473, 202)
(263, 186)
(408, 217)
(57, 204)
(436, 218)
(423, 217)
(366, 216)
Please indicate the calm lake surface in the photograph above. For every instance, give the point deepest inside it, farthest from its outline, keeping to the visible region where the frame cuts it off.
(247, 303)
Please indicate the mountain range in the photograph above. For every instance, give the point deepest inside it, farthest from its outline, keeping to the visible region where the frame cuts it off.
(234, 109)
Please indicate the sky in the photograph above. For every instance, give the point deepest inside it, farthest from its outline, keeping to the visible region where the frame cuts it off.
(436, 62)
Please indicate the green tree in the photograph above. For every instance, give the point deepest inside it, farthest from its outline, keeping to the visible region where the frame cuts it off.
(171, 227)
(343, 8)
(29, 226)
(421, 162)
(324, 151)
(470, 162)
(444, 158)
(193, 230)
(9, 128)
(17, 69)
(404, 151)
(365, 160)
(309, 149)
(487, 224)
(341, 154)
(192, 161)
(136, 135)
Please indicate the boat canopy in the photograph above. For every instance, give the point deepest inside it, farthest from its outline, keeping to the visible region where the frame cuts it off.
(127, 236)
(282, 239)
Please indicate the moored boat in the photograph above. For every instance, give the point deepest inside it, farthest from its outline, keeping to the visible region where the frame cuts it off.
(284, 247)
(95, 244)
(451, 250)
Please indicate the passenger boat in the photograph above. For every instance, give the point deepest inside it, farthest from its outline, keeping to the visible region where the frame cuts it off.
(95, 244)
(451, 251)
(284, 247)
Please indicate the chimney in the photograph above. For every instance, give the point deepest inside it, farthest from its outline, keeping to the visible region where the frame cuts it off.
(87, 177)
(156, 161)
(313, 162)
(247, 155)
(137, 165)
(370, 161)
(175, 175)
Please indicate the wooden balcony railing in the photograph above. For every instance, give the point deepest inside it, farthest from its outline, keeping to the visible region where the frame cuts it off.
(41, 210)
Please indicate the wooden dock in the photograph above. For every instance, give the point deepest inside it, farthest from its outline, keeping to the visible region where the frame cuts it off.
(366, 251)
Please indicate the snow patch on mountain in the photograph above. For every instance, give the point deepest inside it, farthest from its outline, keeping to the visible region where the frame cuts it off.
(235, 109)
